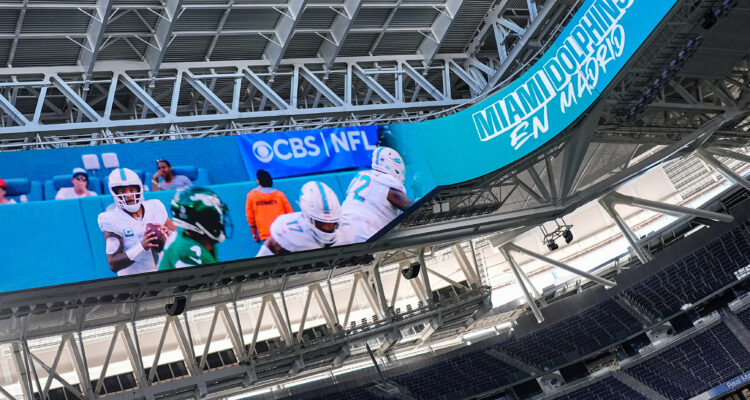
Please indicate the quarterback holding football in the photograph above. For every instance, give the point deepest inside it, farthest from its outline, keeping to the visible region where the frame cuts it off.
(134, 229)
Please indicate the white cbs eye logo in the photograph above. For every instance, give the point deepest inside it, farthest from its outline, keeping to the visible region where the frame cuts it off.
(263, 151)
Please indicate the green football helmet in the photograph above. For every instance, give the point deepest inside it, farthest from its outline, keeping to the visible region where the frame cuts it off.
(200, 210)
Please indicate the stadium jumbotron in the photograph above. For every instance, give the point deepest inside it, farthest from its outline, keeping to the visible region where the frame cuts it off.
(374, 199)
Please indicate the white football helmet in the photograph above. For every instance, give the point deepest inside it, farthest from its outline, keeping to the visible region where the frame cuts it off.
(319, 202)
(125, 177)
(388, 161)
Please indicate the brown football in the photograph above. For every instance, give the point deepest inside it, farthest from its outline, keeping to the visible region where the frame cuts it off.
(160, 238)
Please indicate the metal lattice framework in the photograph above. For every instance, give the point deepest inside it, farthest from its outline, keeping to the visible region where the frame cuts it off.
(93, 72)
(117, 71)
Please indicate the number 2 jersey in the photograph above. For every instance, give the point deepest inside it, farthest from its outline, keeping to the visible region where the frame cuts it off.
(185, 251)
(131, 230)
(366, 207)
(293, 234)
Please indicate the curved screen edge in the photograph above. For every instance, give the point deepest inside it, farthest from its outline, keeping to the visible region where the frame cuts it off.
(490, 135)
(541, 103)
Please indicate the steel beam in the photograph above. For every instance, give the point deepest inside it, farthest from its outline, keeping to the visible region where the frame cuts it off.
(283, 33)
(373, 84)
(269, 93)
(468, 78)
(94, 36)
(726, 172)
(141, 94)
(207, 93)
(606, 282)
(162, 37)
(643, 255)
(422, 82)
(517, 273)
(665, 208)
(465, 265)
(541, 19)
(8, 107)
(320, 86)
(439, 30)
(361, 281)
(73, 97)
(331, 46)
(425, 276)
(729, 154)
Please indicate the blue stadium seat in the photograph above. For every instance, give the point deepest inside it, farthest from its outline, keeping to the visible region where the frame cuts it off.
(459, 377)
(695, 365)
(745, 317)
(588, 331)
(51, 186)
(19, 187)
(695, 276)
(608, 388)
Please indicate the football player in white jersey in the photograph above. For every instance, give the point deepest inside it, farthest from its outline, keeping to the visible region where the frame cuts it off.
(375, 197)
(316, 226)
(129, 246)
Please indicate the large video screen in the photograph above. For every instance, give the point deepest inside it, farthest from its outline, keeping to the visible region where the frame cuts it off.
(118, 210)
(85, 213)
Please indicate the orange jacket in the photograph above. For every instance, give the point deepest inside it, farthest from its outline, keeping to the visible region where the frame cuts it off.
(262, 209)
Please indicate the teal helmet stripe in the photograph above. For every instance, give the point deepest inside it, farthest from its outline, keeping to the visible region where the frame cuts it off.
(377, 155)
(122, 173)
(326, 210)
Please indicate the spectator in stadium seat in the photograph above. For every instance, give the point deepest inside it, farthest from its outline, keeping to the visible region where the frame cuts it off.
(263, 205)
(79, 189)
(3, 191)
(170, 180)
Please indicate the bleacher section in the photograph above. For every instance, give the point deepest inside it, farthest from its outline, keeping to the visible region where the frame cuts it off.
(459, 377)
(696, 276)
(360, 393)
(695, 365)
(590, 330)
(708, 357)
(744, 316)
(606, 389)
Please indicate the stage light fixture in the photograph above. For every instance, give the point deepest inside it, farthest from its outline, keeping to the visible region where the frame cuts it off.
(552, 245)
(561, 230)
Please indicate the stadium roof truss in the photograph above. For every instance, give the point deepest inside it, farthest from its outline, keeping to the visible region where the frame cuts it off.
(116, 71)
(93, 72)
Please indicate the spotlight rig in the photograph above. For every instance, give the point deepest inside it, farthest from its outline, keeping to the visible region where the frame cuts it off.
(562, 230)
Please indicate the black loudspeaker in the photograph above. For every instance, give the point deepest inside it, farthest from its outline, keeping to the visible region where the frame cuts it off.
(412, 271)
(568, 236)
(176, 308)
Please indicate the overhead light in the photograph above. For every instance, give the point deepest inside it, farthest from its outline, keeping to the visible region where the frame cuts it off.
(562, 230)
